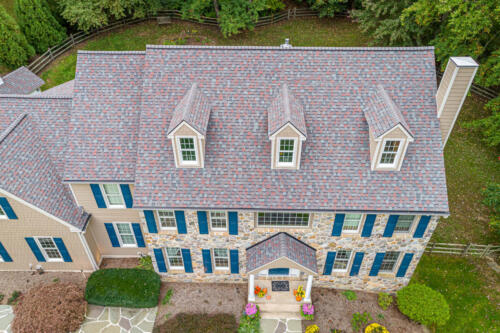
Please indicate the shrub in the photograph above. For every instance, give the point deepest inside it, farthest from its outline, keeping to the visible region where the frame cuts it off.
(376, 328)
(1, 297)
(384, 300)
(52, 308)
(359, 320)
(491, 198)
(307, 311)
(146, 263)
(167, 297)
(350, 295)
(131, 288)
(15, 48)
(250, 320)
(199, 323)
(12, 300)
(424, 305)
(312, 329)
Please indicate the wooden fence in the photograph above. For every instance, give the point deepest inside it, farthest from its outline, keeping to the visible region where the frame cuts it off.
(463, 249)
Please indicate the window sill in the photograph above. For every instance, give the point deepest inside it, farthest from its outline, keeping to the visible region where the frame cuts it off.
(279, 229)
(221, 271)
(387, 275)
(176, 270)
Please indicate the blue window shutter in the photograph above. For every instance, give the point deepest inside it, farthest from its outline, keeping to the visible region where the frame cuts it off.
(235, 261)
(99, 199)
(404, 265)
(112, 234)
(207, 260)
(127, 195)
(338, 224)
(138, 234)
(186, 258)
(34, 247)
(7, 209)
(368, 227)
(160, 260)
(422, 226)
(4, 254)
(376, 263)
(151, 221)
(62, 248)
(233, 223)
(202, 222)
(330, 258)
(180, 221)
(391, 224)
(356, 264)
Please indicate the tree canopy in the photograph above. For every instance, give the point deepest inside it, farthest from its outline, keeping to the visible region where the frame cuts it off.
(15, 48)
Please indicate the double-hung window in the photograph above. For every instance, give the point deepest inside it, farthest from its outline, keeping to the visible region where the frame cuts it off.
(113, 195)
(286, 152)
(352, 222)
(167, 219)
(390, 152)
(49, 248)
(2, 213)
(342, 259)
(124, 230)
(221, 258)
(282, 219)
(404, 223)
(218, 220)
(187, 147)
(389, 261)
(174, 256)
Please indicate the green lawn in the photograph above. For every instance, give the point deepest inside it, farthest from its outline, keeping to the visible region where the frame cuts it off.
(9, 7)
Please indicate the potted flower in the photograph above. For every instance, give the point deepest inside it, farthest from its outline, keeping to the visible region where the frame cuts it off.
(299, 293)
(260, 292)
(307, 311)
(252, 310)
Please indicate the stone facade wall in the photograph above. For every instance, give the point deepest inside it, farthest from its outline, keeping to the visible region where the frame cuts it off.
(318, 235)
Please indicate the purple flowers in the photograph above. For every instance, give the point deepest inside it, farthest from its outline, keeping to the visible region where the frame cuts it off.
(250, 309)
(308, 309)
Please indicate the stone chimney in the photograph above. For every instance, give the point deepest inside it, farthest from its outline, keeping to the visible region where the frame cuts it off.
(453, 89)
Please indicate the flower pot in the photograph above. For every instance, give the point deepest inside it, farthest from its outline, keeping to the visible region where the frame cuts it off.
(268, 297)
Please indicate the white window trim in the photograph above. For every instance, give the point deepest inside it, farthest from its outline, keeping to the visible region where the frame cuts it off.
(168, 260)
(361, 222)
(282, 226)
(43, 251)
(401, 147)
(3, 216)
(108, 205)
(179, 150)
(397, 263)
(120, 238)
(348, 262)
(294, 157)
(159, 220)
(412, 225)
(210, 219)
(228, 260)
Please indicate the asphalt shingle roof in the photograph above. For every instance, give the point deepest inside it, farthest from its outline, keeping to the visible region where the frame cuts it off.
(284, 110)
(20, 81)
(64, 89)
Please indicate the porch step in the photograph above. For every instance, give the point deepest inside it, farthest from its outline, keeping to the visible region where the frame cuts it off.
(277, 307)
(280, 315)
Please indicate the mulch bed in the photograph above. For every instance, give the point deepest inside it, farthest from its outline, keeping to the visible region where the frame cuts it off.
(199, 323)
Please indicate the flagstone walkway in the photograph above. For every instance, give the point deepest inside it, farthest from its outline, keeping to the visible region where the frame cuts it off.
(100, 319)
(6, 317)
(280, 325)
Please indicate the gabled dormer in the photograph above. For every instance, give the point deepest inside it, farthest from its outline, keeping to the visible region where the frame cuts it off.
(188, 129)
(286, 130)
(389, 132)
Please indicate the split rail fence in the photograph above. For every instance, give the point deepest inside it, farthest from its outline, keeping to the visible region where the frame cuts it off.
(463, 249)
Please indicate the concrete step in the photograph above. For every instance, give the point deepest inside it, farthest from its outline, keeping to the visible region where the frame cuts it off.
(273, 307)
(280, 315)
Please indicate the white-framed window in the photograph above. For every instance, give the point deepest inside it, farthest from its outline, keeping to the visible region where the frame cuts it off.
(113, 195)
(125, 234)
(342, 259)
(2, 213)
(174, 256)
(218, 220)
(167, 219)
(352, 223)
(389, 261)
(187, 150)
(390, 152)
(49, 248)
(221, 258)
(404, 223)
(282, 219)
(287, 151)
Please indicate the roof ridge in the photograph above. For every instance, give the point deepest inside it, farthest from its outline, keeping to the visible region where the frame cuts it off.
(12, 126)
(111, 52)
(35, 96)
(284, 92)
(295, 48)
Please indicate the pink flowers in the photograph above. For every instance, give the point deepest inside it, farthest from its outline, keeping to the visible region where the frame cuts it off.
(250, 309)
(308, 309)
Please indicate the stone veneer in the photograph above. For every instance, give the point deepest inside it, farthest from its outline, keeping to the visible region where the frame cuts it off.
(318, 235)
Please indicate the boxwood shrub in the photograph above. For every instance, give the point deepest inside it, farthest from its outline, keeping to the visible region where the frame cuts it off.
(131, 288)
(423, 304)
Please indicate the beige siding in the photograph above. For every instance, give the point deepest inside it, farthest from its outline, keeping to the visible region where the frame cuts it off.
(100, 216)
(184, 130)
(285, 132)
(91, 242)
(32, 223)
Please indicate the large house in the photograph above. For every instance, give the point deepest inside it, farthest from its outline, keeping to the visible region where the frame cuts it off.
(233, 164)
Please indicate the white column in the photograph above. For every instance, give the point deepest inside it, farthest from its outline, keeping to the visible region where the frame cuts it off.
(251, 288)
(307, 299)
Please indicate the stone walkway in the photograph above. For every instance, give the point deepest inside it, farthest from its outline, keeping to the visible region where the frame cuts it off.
(6, 317)
(280, 326)
(101, 319)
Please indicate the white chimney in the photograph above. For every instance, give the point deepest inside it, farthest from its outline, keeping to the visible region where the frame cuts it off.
(453, 89)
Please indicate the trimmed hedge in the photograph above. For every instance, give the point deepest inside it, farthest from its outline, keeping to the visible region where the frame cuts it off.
(124, 287)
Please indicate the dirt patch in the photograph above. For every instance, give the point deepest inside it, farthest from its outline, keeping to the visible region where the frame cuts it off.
(119, 263)
(199, 323)
(204, 298)
(333, 310)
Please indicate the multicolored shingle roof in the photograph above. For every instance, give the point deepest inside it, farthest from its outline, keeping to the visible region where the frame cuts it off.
(20, 81)
(284, 110)
(64, 89)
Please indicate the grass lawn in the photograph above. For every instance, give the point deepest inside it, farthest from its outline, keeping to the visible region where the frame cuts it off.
(9, 7)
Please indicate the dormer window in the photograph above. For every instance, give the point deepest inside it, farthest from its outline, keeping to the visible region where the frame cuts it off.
(187, 147)
(287, 151)
(389, 155)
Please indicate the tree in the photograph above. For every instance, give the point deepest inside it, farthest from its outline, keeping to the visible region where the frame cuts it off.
(38, 25)
(328, 8)
(15, 48)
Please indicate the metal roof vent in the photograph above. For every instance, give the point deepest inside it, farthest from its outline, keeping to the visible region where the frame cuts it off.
(287, 44)
(1, 81)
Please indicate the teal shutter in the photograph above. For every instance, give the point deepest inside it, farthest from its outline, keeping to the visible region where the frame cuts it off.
(6, 207)
(186, 258)
(233, 223)
(62, 249)
(4, 254)
(180, 221)
(356, 264)
(338, 224)
(34, 248)
(160, 260)
(278, 271)
(112, 234)
(151, 221)
(368, 227)
(207, 260)
(202, 222)
(404, 265)
(422, 226)
(330, 258)
(127, 195)
(391, 224)
(235, 261)
(99, 199)
(376, 263)
(138, 235)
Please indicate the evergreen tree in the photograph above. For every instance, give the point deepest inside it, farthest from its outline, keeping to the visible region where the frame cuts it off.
(38, 25)
(15, 50)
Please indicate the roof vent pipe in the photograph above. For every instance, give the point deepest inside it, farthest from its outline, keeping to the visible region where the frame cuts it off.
(1, 81)
(287, 44)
